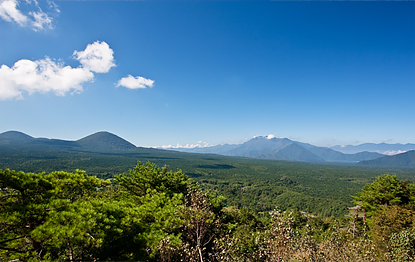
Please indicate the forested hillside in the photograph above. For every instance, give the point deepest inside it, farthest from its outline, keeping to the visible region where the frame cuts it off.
(153, 214)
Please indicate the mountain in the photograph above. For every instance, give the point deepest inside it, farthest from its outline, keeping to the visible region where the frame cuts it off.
(382, 148)
(283, 149)
(406, 159)
(104, 141)
(10, 136)
(296, 153)
(331, 155)
(219, 149)
(98, 142)
(19, 140)
(258, 147)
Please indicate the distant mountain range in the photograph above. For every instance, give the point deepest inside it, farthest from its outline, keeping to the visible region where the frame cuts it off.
(382, 148)
(283, 149)
(406, 159)
(258, 147)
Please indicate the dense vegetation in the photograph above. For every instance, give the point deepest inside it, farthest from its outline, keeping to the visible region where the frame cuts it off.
(322, 189)
(153, 214)
(319, 188)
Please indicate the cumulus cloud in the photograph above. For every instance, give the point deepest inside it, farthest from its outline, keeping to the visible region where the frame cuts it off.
(47, 75)
(37, 20)
(135, 82)
(97, 57)
(41, 76)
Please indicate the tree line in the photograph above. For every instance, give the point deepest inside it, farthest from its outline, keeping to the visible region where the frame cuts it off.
(155, 214)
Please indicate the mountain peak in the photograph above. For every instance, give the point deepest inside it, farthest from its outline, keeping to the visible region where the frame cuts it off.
(14, 135)
(105, 141)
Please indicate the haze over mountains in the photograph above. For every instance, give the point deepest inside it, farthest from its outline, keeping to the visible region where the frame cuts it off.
(258, 147)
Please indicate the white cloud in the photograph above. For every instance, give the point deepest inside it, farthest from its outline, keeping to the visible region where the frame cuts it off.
(270, 136)
(47, 75)
(10, 13)
(135, 82)
(97, 57)
(200, 144)
(41, 21)
(41, 76)
(54, 6)
(393, 152)
(37, 20)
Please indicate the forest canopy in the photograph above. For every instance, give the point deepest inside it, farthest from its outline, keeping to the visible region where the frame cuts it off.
(154, 214)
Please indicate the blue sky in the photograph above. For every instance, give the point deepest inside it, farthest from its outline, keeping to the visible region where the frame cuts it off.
(325, 73)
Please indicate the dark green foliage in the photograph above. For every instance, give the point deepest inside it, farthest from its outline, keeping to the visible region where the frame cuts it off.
(385, 191)
(27, 200)
(154, 214)
(88, 230)
(149, 176)
(62, 216)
